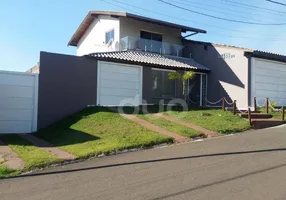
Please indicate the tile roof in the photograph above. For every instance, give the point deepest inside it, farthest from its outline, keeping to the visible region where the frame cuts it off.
(153, 59)
(218, 45)
(267, 55)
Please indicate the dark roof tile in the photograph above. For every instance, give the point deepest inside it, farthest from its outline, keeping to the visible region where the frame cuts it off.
(151, 58)
(267, 55)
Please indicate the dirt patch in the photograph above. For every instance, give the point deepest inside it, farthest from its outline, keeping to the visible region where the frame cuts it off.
(9, 157)
(48, 147)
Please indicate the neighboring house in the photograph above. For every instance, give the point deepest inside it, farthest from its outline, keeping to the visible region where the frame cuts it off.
(35, 69)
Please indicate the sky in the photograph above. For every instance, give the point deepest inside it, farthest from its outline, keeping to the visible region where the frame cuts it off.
(31, 26)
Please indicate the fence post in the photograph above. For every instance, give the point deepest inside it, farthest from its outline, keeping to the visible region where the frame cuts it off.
(267, 105)
(249, 116)
(223, 104)
(283, 113)
(234, 107)
(255, 104)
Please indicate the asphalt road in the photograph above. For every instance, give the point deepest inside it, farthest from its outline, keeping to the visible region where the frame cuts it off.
(246, 166)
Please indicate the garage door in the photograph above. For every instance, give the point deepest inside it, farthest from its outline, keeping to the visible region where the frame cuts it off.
(119, 84)
(18, 102)
(269, 80)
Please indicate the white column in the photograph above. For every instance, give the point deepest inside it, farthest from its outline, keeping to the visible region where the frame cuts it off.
(201, 91)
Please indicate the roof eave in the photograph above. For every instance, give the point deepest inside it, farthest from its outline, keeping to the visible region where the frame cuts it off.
(165, 23)
(92, 14)
(72, 42)
(266, 55)
(148, 64)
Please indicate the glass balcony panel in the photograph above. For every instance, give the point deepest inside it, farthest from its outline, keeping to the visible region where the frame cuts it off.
(133, 43)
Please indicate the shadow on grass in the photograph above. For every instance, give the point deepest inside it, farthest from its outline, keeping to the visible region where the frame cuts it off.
(151, 161)
(59, 133)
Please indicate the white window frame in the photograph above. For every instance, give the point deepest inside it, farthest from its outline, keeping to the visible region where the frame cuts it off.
(111, 39)
(201, 86)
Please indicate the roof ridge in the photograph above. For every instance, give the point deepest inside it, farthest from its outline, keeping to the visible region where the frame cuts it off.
(217, 44)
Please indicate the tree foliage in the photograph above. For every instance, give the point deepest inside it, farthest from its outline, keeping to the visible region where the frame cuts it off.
(188, 75)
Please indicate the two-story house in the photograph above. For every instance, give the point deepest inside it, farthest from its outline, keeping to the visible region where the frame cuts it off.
(135, 55)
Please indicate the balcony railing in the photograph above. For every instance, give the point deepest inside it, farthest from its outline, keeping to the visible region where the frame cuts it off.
(133, 43)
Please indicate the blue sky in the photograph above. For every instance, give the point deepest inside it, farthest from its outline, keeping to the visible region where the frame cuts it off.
(31, 26)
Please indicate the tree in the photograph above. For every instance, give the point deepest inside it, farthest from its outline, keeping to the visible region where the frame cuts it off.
(188, 75)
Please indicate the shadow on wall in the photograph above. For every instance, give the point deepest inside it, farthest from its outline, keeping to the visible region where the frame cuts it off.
(208, 55)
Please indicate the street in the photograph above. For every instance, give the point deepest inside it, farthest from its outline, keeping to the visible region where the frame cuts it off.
(248, 166)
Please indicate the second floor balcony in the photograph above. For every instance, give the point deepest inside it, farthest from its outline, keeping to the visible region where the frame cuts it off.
(140, 44)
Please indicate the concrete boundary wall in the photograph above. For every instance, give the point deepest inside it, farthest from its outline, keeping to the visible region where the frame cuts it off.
(18, 102)
(67, 84)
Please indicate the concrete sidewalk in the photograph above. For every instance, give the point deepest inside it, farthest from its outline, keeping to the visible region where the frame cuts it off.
(246, 166)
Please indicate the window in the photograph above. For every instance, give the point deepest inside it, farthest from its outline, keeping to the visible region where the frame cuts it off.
(109, 36)
(151, 41)
(162, 87)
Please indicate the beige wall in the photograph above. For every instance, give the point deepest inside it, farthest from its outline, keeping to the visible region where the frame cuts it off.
(130, 27)
(229, 75)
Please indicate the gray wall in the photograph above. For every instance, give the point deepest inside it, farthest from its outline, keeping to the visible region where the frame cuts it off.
(67, 84)
(228, 76)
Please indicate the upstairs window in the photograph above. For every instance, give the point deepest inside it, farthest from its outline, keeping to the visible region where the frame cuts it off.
(151, 41)
(109, 36)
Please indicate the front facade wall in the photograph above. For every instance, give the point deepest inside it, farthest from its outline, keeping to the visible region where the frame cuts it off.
(229, 71)
(94, 38)
(67, 84)
(268, 80)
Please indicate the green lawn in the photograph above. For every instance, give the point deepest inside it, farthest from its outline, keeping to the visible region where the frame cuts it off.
(98, 130)
(223, 122)
(171, 126)
(5, 171)
(33, 156)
